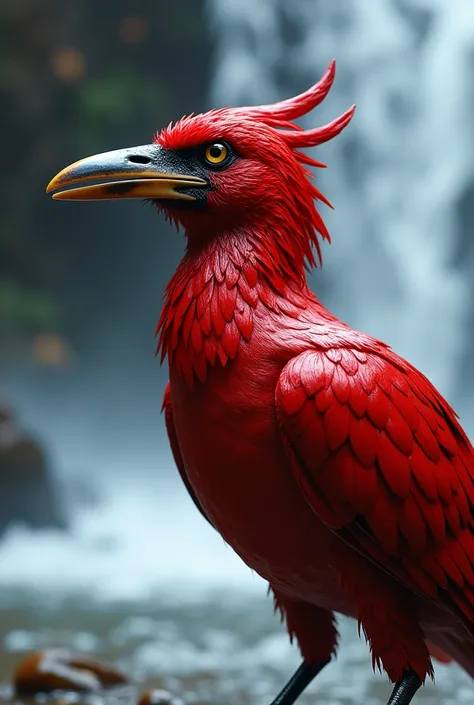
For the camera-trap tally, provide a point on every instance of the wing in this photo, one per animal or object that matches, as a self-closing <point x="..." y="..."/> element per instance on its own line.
<point x="173" y="439"/>
<point x="381" y="458"/>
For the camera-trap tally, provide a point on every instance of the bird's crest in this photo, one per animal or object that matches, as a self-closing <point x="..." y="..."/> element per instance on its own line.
<point x="282" y="114"/>
<point x="279" y="116"/>
<point x="278" y="119"/>
<point x="267" y="264"/>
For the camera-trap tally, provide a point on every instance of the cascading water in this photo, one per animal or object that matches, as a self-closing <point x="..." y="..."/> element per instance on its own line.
<point x="397" y="174"/>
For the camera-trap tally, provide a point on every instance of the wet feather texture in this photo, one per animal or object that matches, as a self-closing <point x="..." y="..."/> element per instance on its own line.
<point x="405" y="475"/>
<point x="331" y="465"/>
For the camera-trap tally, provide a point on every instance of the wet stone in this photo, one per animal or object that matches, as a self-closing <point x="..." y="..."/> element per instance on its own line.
<point x="29" y="490"/>
<point x="59" y="669"/>
<point x="159" y="697"/>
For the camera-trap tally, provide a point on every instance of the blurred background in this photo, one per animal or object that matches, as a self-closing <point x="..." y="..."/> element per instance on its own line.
<point x="100" y="547"/>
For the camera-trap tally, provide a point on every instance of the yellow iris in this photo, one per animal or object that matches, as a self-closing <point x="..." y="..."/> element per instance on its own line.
<point x="216" y="153"/>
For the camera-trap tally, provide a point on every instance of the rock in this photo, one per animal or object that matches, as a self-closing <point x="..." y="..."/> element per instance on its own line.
<point x="59" y="669"/>
<point x="27" y="488"/>
<point x="159" y="697"/>
<point x="6" y="412"/>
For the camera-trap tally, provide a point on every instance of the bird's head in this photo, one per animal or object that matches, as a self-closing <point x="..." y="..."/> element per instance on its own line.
<point x="221" y="171"/>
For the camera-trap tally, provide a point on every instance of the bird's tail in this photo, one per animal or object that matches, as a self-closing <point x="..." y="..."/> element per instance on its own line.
<point x="451" y="646"/>
<point x="438" y="654"/>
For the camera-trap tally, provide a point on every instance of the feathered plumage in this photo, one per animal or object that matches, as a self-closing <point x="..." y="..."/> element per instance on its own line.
<point x="330" y="464"/>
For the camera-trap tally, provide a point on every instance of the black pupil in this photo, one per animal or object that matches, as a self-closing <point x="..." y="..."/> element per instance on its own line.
<point x="216" y="151"/>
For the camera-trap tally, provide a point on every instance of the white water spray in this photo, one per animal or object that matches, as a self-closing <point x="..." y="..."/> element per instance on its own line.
<point x="397" y="173"/>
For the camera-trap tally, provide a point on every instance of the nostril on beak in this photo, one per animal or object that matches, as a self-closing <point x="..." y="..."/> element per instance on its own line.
<point x="139" y="159"/>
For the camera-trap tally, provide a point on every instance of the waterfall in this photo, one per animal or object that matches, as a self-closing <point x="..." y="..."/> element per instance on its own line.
<point x="397" y="174"/>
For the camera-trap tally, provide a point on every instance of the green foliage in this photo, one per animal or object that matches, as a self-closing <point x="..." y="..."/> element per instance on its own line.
<point x="26" y="309"/>
<point x="111" y="101"/>
<point x="53" y="112"/>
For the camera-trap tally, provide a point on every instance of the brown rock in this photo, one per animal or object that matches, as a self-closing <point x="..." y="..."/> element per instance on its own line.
<point x="28" y="491"/>
<point x="59" y="669"/>
<point x="159" y="697"/>
<point x="6" y="412"/>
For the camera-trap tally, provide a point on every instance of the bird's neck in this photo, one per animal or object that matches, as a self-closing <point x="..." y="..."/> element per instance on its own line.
<point x="213" y="298"/>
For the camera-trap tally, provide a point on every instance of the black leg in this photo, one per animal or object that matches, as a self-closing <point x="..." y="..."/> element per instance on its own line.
<point x="300" y="679"/>
<point x="405" y="689"/>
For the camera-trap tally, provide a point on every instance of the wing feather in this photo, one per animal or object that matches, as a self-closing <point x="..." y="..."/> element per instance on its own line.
<point x="382" y="459"/>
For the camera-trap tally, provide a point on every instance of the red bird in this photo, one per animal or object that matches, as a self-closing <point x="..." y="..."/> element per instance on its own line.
<point x="331" y="465"/>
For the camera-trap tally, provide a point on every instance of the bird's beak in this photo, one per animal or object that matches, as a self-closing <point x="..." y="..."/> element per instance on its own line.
<point x="138" y="172"/>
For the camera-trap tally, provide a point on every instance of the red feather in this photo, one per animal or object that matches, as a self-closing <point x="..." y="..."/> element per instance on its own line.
<point x="394" y="466"/>
<point x="330" y="464"/>
<point x="358" y="489"/>
<point x="364" y="441"/>
<point x="244" y="321"/>
<point x="417" y="501"/>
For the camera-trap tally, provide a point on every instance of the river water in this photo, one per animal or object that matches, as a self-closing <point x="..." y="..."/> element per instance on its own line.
<point x="143" y="582"/>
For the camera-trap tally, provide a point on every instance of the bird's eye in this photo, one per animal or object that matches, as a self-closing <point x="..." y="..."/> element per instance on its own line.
<point x="216" y="153"/>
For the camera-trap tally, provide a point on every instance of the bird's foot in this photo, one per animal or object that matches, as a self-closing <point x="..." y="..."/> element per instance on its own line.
<point x="300" y="679"/>
<point x="405" y="689"/>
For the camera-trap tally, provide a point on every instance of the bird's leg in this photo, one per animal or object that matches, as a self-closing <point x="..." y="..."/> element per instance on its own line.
<point x="316" y="634"/>
<point x="405" y="689"/>
<point x="300" y="679"/>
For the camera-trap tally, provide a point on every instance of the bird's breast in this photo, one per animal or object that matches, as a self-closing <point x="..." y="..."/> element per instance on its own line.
<point x="229" y="440"/>
<point x="232" y="450"/>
